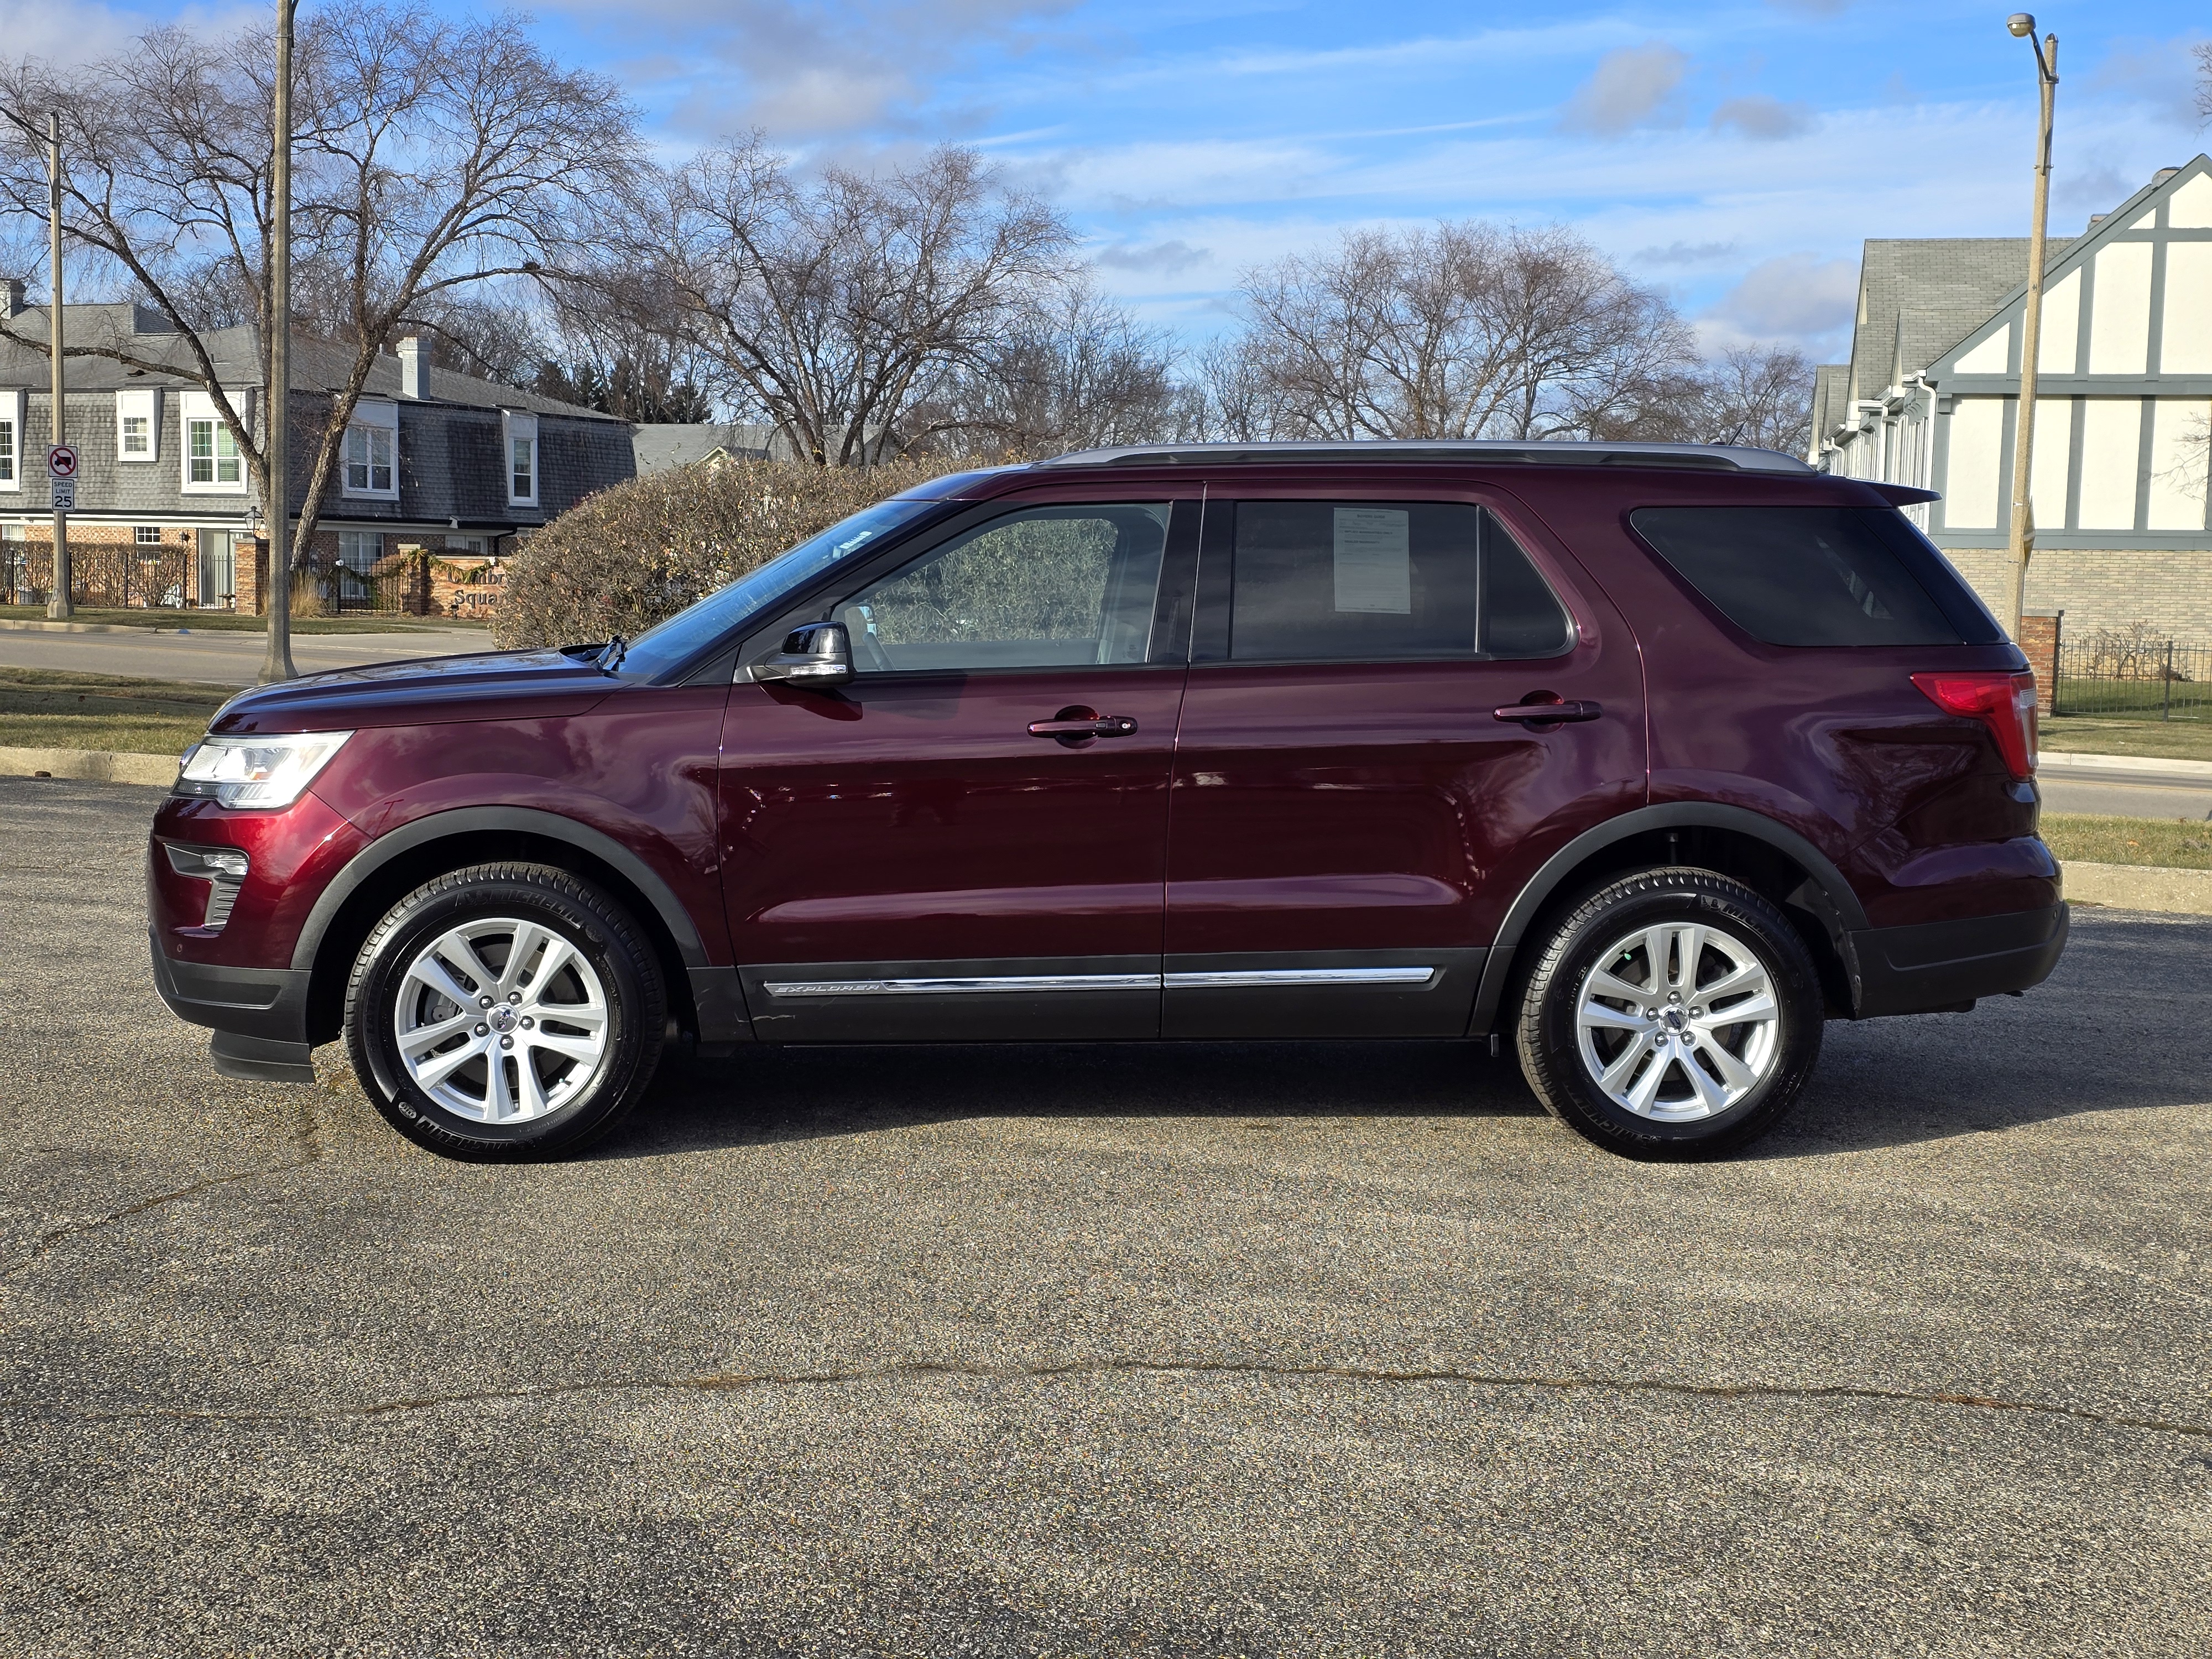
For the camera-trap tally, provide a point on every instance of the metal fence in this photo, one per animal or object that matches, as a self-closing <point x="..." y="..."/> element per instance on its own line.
<point x="2129" y="674"/>
<point x="106" y="576"/>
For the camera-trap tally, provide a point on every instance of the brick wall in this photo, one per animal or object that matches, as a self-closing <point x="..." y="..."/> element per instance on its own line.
<point x="2169" y="590"/>
<point x="109" y="567"/>
<point x="2038" y="642"/>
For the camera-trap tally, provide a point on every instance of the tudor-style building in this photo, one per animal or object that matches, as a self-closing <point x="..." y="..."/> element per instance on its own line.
<point x="439" y="474"/>
<point x="2124" y="407"/>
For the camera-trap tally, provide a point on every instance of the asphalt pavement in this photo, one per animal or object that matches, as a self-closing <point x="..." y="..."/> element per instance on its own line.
<point x="220" y="659"/>
<point x="1198" y="1350"/>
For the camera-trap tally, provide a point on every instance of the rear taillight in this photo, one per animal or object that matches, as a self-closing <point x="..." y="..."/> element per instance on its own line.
<point x="2003" y="702"/>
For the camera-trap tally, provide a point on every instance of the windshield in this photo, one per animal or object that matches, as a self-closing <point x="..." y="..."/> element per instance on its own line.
<point x="668" y="645"/>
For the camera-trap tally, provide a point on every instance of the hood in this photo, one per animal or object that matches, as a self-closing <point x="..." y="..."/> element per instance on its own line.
<point x="420" y="691"/>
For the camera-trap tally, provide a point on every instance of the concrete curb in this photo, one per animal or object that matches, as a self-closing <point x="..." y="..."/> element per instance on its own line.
<point x="24" y="625"/>
<point x="92" y="765"/>
<point x="2142" y="887"/>
<point x="2061" y="760"/>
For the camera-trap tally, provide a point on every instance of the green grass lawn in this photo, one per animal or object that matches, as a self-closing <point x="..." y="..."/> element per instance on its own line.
<point x="2089" y="734"/>
<point x="2170" y="843"/>
<point x="231" y="621"/>
<point x="43" y="709"/>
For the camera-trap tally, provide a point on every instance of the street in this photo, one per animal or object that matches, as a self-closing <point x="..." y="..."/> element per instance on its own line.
<point x="1201" y="1350"/>
<point x="220" y="659"/>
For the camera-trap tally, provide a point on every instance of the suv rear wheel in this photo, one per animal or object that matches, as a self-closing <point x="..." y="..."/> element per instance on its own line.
<point x="1674" y="1013"/>
<point x="505" y="1012"/>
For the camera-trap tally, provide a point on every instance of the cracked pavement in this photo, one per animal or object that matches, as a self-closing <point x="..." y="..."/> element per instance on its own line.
<point x="1201" y="1350"/>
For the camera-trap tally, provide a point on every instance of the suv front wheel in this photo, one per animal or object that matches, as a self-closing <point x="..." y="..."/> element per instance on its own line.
<point x="505" y="1012"/>
<point x="1674" y="1013"/>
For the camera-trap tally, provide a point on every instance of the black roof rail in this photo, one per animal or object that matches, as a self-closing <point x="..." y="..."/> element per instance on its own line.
<point x="1712" y="457"/>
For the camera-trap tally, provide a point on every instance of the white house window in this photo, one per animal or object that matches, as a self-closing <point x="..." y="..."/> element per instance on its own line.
<point x="360" y="549"/>
<point x="145" y="535"/>
<point x="521" y="433"/>
<point x="368" y="461"/>
<point x="372" y="449"/>
<point x="212" y="463"/>
<point x="138" y="423"/>
<point x="11" y="430"/>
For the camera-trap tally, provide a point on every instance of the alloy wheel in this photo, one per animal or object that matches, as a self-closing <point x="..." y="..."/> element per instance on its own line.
<point x="502" y="1020"/>
<point x="1678" y="1021"/>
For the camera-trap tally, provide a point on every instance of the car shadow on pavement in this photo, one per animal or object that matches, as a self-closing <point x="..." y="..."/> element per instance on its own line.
<point x="2130" y="984"/>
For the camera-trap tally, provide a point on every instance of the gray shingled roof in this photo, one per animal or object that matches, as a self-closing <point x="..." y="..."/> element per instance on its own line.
<point x="1831" y="381"/>
<point x="661" y="446"/>
<point x="236" y="353"/>
<point x="1918" y="298"/>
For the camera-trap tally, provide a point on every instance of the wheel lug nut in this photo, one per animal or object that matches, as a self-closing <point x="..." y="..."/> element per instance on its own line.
<point x="506" y="1042"/>
<point x="482" y="1028"/>
<point x="484" y="1002"/>
<point x="528" y="1023"/>
<point x="515" y="996"/>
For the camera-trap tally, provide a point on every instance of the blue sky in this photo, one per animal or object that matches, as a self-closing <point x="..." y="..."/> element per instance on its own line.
<point x="1736" y="155"/>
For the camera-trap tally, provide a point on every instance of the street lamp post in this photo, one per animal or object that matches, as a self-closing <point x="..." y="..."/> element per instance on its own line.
<point x="2022" y="26"/>
<point x="276" y="664"/>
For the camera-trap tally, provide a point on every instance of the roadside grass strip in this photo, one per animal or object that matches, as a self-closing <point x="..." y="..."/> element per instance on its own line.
<point x="49" y="708"/>
<point x="2166" y="843"/>
<point x="234" y="622"/>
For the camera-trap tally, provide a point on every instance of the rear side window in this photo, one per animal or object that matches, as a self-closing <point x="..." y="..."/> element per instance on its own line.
<point x="1818" y="575"/>
<point x="1384" y="581"/>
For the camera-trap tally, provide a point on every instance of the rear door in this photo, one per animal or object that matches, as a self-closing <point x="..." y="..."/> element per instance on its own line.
<point x="1358" y="796"/>
<point x="969" y="839"/>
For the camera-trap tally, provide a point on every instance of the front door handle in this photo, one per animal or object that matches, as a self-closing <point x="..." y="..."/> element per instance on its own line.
<point x="1074" y="726"/>
<point x="1546" y="714"/>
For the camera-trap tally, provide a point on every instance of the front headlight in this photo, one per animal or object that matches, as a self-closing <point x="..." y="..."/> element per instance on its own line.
<point x="256" y="771"/>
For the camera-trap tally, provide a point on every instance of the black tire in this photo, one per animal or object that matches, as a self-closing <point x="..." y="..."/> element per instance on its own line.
<point x="1550" y="1040"/>
<point x="602" y="935"/>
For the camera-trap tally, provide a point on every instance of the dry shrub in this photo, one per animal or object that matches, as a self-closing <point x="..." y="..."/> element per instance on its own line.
<point x="639" y="552"/>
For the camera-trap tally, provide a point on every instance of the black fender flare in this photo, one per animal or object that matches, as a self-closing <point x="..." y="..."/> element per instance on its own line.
<point x="1537" y="891"/>
<point x="498" y="820"/>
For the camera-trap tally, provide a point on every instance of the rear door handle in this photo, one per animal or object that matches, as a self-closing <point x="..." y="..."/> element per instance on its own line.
<point x="1071" y="726"/>
<point x="1541" y="713"/>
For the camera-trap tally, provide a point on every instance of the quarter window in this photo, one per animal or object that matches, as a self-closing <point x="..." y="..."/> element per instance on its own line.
<point x="1050" y="587"/>
<point x="1385" y="581"/>
<point x="368" y="461"/>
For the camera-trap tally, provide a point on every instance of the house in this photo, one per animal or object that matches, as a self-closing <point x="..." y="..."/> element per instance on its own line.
<point x="664" y="446"/>
<point x="439" y="475"/>
<point x="2124" y="407"/>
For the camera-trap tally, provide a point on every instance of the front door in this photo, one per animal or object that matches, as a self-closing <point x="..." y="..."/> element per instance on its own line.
<point x="1357" y="796"/>
<point x="969" y="840"/>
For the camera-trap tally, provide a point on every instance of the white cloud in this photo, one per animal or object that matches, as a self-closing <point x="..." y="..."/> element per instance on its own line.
<point x="1169" y="258"/>
<point x="1799" y="298"/>
<point x="1629" y="87"/>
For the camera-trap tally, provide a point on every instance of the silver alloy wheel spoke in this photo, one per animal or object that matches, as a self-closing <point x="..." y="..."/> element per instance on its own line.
<point x="1648" y="1031"/>
<point x="487" y="1055"/>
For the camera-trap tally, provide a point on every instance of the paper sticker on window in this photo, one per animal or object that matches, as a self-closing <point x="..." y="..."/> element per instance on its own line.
<point x="1374" y="563"/>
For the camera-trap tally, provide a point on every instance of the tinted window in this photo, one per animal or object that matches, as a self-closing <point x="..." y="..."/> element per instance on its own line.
<point x="1365" y="581"/>
<point x="1054" y="586"/>
<point x="1815" y="575"/>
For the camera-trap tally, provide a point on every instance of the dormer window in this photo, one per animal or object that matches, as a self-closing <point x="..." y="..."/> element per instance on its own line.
<point x="138" y="424"/>
<point x="522" y="437"/>
<point x="371" y="451"/>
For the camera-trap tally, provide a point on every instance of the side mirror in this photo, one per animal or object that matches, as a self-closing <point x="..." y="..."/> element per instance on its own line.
<point x="818" y="654"/>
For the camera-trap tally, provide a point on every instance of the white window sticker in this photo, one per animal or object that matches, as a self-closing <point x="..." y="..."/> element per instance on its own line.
<point x="1374" y="560"/>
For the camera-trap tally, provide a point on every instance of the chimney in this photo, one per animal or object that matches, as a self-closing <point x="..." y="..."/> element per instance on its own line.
<point x="11" y="296"/>
<point x="414" y="368"/>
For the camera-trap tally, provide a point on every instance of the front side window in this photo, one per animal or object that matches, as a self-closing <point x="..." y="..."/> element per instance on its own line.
<point x="1817" y="575"/>
<point x="522" y="469"/>
<point x="1048" y="587"/>
<point x="1385" y="581"/>
<point x="368" y="461"/>
<point x="211" y="453"/>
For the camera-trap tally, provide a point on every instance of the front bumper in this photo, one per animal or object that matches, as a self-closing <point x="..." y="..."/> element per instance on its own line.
<point x="259" y="1015"/>
<point x="1941" y="965"/>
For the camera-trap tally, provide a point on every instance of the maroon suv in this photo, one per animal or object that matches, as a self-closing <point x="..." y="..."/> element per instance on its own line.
<point x="1652" y="757"/>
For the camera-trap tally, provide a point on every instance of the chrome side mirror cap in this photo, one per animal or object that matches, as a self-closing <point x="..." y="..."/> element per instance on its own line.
<point x="818" y="654"/>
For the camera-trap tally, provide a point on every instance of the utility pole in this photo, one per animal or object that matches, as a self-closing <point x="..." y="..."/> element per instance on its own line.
<point x="58" y="606"/>
<point x="276" y="509"/>
<point x="2022" y="26"/>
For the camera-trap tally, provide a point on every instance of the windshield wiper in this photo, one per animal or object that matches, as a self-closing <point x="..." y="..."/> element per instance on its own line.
<point x="611" y="654"/>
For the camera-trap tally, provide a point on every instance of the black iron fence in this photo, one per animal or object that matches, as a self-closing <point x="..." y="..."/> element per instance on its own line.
<point x="2131" y="674"/>
<point x="105" y="575"/>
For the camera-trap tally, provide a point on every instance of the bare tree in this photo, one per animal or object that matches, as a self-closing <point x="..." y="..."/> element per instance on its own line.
<point x="1761" y="397"/>
<point x="2202" y="53"/>
<point x="428" y="156"/>
<point x="1074" y="371"/>
<point x="834" y="305"/>
<point x="1460" y="331"/>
